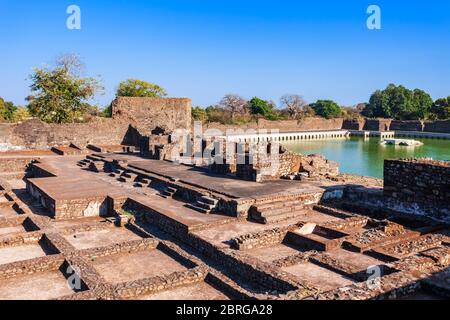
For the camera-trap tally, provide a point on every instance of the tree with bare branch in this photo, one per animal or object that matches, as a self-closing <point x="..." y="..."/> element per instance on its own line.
<point x="234" y="103"/>
<point x="293" y="104"/>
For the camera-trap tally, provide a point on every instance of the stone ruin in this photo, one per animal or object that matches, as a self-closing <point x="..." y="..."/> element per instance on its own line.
<point x="174" y="231"/>
<point x="267" y="161"/>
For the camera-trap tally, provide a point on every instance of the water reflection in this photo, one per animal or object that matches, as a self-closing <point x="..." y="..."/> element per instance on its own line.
<point x="365" y="156"/>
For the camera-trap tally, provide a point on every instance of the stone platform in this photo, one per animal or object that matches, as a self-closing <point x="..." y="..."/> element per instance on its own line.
<point x="126" y="226"/>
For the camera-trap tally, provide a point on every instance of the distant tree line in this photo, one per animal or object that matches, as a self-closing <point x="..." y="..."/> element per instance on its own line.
<point x="12" y="113"/>
<point x="60" y="94"/>
<point x="395" y="102"/>
<point x="398" y="102"/>
<point x="234" y="109"/>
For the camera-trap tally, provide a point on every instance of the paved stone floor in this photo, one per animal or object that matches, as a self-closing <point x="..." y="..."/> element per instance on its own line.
<point x="20" y="253"/>
<point x="135" y="266"/>
<point x="149" y="244"/>
<point x="100" y="238"/>
<point x="39" y="286"/>
<point x="227" y="185"/>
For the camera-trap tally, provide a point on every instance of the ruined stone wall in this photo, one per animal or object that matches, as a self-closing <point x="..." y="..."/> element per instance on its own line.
<point x="150" y="113"/>
<point x="437" y="126"/>
<point x="34" y="134"/>
<point x="354" y="124"/>
<point x="420" y="181"/>
<point x="9" y="165"/>
<point x="132" y="117"/>
<point x="377" y="124"/>
<point x="308" y="124"/>
<point x="284" y="165"/>
<point x="442" y="126"/>
<point x="398" y="125"/>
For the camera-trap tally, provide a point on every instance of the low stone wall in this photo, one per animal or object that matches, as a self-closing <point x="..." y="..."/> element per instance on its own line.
<point x="8" y="165"/>
<point x="398" y="125"/>
<point x="437" y="126"/>
<point x="440" y="126"/>
<point x="262" y="239"/>
<point x="132" y="117"/>
<point x="377" y="124"/>
<point x="353" y="124"/>
<point x="32" y="266"/>
<point x="34" y="134"/>
<point x="307" y="124"/>
<point x="423" y="181"/>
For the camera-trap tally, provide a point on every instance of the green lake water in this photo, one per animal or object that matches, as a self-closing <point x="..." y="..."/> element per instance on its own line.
<point x="365" y="157"/>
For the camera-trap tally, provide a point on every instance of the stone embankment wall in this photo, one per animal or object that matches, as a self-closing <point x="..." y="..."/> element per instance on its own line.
<point x="321" y="124"/>
<point x="34" y="134"/>
<point x="422" y="181"/>
<point x="132" y="117"/>
<point x="308" y="124"/>
<point x="441" y="126"/>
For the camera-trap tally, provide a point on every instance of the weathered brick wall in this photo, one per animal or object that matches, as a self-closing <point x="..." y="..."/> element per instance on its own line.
<point x="266" y="167"/>
<point x="14" y="164"/>
<point x="150" y="113"/>
<point x="422" y="181"/>
<point x="354" y="124"/>
<point x="398" y="125"/>
<point x="377" y="124"/>
<point x="132" y="117"/>
<point x="437" y="126"/>
<point x="308" y="124"/>
<point x="34" y="134"/>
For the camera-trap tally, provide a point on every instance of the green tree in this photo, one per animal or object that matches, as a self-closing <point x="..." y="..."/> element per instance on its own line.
<point x="261" y="107"/>
<point x="59" y="94"/>
<point x="441" y="109"/>
<point x="106" y="112"/>
<point x="199" y="114"/>
<point x="326" y="108"/>
<point x="139" y="88"/>
<point x="20" y="114"/>
<point x="7" y="110"/>
<point x="400" y="103"/>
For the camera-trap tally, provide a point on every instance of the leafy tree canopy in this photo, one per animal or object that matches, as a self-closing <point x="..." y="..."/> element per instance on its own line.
<point x="59" y="94"/>
<point x="441" y="109"/>
<point x="326" y="108"/>
<point x="261" y="107"/>
<point x="139" y="88"/>
<point x="7" y="110"/>
<point x="399" y="103"/>
<point x="199" y="114"/>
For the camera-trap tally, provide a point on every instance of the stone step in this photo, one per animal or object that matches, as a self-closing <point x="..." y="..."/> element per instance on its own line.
<point x="171" y="190"/>
<point x="167" y="194"/>
<point x="126" y="175"/>
<point x="209" y="200"/>
<point x="84" y="162"/>
<point x="145" y="181"/>
<point x="205" y="205"/>
<point x="95" y="167"/>
<point x="196" y="208"/>
<point x="94" y="157"/>
<point x="276" y="218"/>
<point x="277" y="204"/>
<point x="334" y="212"/>
<point x="277" y="211"/>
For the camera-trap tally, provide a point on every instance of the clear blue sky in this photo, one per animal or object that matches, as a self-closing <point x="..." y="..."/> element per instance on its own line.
<point x="203" y="49"/>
